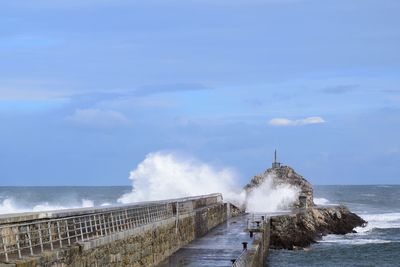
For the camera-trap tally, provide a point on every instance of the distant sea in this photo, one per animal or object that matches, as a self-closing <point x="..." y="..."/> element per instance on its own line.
<point x="376" y="245"/>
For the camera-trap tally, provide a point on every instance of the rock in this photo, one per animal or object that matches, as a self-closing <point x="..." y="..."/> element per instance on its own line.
<point x="308" y="223"/>
<point x="301" y="230"/>
<point x="284" y="175"/>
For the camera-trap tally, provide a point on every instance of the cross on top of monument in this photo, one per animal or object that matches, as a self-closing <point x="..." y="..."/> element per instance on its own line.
<point x="276" y="164"/>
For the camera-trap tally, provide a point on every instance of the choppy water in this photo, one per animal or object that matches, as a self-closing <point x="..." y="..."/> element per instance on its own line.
<point x="23" y="199"/>
<point x="376" y="245"/>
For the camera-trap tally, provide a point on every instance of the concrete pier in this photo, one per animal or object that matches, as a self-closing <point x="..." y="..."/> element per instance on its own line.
<point x="141" y="234"/>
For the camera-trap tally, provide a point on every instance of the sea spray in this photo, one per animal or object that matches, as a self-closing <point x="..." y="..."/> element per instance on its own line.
<point x="269" y="197"/>
<point x="167" y="175"/>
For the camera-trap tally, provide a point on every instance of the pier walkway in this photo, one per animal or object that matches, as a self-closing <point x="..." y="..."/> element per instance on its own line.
<point x="223" y="246"/>
<point x="217" y="248"/>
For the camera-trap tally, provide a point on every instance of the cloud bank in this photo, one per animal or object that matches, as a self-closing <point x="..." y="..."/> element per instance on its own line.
<point x="299" y="122"/>
<point x="98" y="118"/>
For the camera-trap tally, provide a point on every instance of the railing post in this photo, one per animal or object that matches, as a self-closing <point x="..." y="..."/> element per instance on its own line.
<point x="90" y="224"/>
<point x="76" y="233"/>
<point x="95" y="225"/>
<point x="40" y="238"/>
<point x="86" y="228"/>
<point x="81" y="228"/>
<point x="177" y="218"/>
<point x="104" y="223"/>
<point x="59" y="233"/>
<point x="127" y="221"/>
<point x="117" y="222"/>
<point x="18" y="246"/>
<point x="67" y="230"/>
<point x="112" y="222"/>
<point x="100" y="225"/>
<point x="3" y="239"/>
<point x="50" y="236"/>
<point x="30" y="240"/>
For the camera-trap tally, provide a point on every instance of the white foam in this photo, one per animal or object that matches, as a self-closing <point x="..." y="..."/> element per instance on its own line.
<point x="9" y="205"/>
<point x="321" y="201"/>
<point x="351" y="240"/>
<point x="368" y="195"/>
<point x="382" y="221"/>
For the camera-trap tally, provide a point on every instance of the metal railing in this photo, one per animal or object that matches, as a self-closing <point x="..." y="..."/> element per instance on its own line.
<point x="242" y="260"/>
<point x="34" y="237"/>
<point x="256" y="221"/>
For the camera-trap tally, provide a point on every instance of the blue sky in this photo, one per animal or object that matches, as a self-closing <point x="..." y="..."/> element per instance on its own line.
<point x="89" y="88"/>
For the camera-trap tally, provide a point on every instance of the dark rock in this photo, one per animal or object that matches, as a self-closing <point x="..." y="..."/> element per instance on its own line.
<point x="305" y="228"/>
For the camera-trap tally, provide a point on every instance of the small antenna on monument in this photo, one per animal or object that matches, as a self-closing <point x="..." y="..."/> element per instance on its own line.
<point x="276" y="164"/>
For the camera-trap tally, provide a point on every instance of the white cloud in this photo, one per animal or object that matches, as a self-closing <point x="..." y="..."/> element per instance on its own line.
<point x="288" y="122"/>
<point x="98" y="118"/>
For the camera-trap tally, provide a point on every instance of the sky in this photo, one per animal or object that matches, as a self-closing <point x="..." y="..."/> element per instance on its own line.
<point x="89" y="88"/>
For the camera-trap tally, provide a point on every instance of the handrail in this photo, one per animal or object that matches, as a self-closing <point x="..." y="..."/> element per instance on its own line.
<point x="242" y="260"/>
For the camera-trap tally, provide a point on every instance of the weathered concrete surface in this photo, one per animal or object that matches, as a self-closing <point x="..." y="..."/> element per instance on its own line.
<point x="144" y="246"/>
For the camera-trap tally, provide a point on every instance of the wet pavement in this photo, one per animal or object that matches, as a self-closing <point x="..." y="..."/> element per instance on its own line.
<point x="217" y="248"/>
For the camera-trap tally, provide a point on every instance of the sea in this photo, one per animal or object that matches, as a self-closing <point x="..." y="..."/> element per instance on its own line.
<point x="378" y="244"/>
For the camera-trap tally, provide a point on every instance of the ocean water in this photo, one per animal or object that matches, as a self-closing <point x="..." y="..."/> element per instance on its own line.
<point x="376" y="245"/>
<point x="25" y="199"/>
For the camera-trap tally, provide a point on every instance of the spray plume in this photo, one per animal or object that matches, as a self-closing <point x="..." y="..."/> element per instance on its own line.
<point x="269" y="197"/>
<point x="167" y="175"/>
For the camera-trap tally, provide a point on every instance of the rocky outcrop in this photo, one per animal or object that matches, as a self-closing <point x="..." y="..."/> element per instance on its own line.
<point x="302" y="229"/>
<point x="307" y="223"/>
<point x="284" y="175"/>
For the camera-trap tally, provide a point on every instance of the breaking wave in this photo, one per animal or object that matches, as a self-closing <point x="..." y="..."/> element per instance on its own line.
<point x="321" y="201"/>
<point x="168" y="175"/>
<point x="380" y="221"/>
<point x="9" y="205"/>
<point x="270" y="198"/>
<point x="352" y="241"/>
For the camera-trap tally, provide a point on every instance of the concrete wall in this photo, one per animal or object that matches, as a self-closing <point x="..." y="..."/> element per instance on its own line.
<point x="258" y="253"/>
<point x="147" y="245"/>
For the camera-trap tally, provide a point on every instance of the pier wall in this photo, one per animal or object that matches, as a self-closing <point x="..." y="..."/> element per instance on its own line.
<point x="257" y="253"/>
<point x="261" y="246"/>
<point x="144" y="244"/>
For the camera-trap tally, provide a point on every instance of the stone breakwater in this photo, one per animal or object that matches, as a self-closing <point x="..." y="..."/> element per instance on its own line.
<point x="300" y="230"/>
